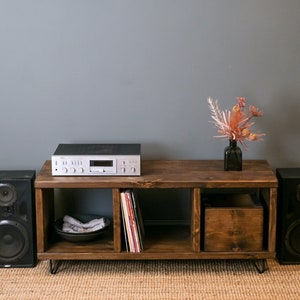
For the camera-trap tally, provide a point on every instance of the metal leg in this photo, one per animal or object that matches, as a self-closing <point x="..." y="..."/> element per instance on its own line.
<point x="53" y="267"/>
<point x="263" y="267"/>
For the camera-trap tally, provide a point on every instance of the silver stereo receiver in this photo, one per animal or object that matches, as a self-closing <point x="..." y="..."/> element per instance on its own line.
<point x="97" y="160"/>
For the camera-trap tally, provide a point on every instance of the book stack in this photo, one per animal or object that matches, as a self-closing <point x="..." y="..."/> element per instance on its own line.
<point x="132" y="222"/>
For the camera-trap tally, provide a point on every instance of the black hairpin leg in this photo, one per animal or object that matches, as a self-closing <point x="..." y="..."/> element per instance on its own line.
<point x="53" y="267"/>
<point x="260" y="265"/>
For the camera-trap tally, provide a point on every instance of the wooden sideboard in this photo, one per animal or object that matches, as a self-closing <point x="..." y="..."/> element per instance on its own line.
<point x="160" y="242"/>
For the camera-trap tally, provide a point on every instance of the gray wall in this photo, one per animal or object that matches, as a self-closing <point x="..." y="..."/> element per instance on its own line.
<point x="141" y="71"/>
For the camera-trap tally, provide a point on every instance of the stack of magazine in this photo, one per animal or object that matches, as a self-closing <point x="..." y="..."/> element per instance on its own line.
<point x="132" y="221"/>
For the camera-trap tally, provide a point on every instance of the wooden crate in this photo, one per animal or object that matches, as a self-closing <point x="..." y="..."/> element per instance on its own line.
<point x="233" y="223"/>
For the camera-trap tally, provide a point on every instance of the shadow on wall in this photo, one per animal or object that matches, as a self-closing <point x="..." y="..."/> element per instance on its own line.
<point x="282" y="128"/>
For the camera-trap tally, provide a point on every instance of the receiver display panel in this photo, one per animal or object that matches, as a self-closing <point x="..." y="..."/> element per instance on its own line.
<point x="101" y="163"/>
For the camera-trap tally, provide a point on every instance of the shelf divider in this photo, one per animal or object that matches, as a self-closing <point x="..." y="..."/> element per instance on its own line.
<point x="117" y="220"/>
<point x="195" y="219"/>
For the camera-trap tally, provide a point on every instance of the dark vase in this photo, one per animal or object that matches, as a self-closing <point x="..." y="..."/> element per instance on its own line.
<point x="233" y="157"/>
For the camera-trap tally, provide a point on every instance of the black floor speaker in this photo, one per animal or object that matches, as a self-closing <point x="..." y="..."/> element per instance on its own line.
<point x="288" y="216"/>
<point x="17" y="219"/>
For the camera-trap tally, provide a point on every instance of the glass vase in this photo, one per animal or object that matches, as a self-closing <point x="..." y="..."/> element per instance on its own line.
<point x="233" y="157"/>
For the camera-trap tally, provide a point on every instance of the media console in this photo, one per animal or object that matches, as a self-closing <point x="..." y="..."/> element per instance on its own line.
<point x="199" y="177"/>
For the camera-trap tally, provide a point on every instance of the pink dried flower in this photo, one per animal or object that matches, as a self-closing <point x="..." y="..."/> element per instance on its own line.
<point x="255" y="112"/>
<point x="241" y="101"/>
<point x="235" y="124"/>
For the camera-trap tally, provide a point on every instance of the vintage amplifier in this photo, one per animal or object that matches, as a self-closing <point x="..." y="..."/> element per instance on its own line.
<point x="97" y="160"/>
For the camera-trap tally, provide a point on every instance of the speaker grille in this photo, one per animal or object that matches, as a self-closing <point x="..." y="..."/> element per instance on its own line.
<point x="288" y="216"/>
<point x="292" y="240"/>
<point x="8" y="194"/>
<point x="17" y="219"/>
<point x="14" y="240"/>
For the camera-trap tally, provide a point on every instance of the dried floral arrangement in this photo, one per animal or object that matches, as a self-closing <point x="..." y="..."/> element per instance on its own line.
<point x="235" y="124"/>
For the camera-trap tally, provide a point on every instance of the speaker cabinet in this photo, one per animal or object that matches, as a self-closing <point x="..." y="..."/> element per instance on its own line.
<point x="17" y="219"/>
<point x="288" y="216"/>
